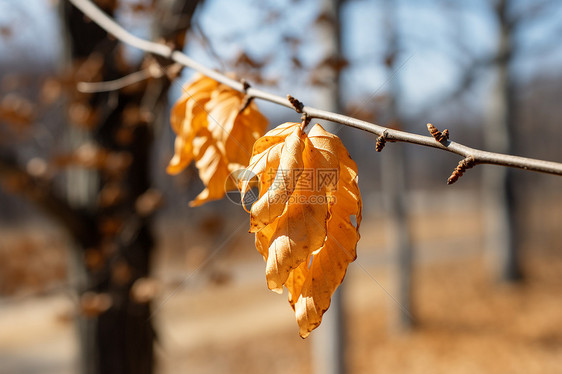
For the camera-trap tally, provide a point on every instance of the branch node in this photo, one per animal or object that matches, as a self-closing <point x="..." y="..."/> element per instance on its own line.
<point x="247" y="98"/>
<point x="463" y="165"/>
<point x="441" y="137"/>
<point x="245" y="85"/>
<point x="172" y="50"/>
<point x="173" y="71"/>
<point x="295" y="103"/>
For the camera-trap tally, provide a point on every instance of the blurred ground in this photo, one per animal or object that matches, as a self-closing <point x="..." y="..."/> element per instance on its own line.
<point x="216" y="316"/>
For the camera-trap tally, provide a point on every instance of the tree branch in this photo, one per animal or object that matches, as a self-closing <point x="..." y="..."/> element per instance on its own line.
<point x="78" y="224"/>
<point x="479" y="156"/>
<point x="117" y="84"/>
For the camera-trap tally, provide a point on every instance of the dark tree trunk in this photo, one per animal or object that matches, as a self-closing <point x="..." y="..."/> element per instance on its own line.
<point x="119" y="337"/>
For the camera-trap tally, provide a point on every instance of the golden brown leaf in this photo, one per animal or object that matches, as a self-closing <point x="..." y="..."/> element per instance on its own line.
<point x="187" y="117"/>
<point x="266" y="155"/>
<point x="303" y="218"/>
<point x="213" y="132"/>
<point x="272" y="203"/>
<point x="212" y="166"/>
<point x="311" y="287"/>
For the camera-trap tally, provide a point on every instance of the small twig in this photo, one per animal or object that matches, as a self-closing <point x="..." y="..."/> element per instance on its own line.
<point x="114" y="85"/>
<point x="463" y="165"/>
<point x="480" y="157"/>
<point x="173" y="71"/>
<point x="208" y="45"/>
<point x="153" y="71"/>
<point x="247" y="98"/>
<point x="305" y="121"/>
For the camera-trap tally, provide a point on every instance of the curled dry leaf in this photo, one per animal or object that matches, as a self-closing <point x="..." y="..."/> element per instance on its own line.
<point x="213" y="132"/>
<point x="307" y="217"/>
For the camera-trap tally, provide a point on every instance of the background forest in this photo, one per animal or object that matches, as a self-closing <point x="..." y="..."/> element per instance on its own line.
<point x="104" y="268"/>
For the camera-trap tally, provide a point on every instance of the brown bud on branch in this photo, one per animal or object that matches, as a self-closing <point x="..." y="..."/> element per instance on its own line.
<point x="295" y="103"/>
<point x="463" y="165"/>
<point x="441" y="137"/>
<point x="381" y="141"/>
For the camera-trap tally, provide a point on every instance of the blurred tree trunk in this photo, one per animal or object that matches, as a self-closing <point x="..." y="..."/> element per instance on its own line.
<point x="501" y="236"/>
<point x="328" y="341"/>
<point x="394" y="187"/>
<point x="116" y="327"/>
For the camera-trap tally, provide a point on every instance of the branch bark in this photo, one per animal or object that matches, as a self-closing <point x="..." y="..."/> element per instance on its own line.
<point x="479" y="156"/>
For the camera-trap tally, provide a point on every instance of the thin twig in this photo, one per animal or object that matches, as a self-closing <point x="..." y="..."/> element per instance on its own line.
<point x="114" y="85"/>
<point x="479" y="156"/>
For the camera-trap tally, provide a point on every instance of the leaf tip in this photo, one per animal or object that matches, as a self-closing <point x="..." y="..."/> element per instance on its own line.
<point x="277" y="290"/>
<point x="275" y="286"/>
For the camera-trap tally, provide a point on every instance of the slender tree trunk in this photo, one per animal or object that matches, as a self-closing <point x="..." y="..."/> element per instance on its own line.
<point x="328" y="341"/>
<point x="395" y="190"/>
<point x="500" y="211"/>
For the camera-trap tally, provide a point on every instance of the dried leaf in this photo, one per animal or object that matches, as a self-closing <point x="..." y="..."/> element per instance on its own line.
<point x="303" y="218"/>
<point x="272" y="203"/>
<point x="187" y="117"/>
<point x="213" y="168"/>
<point x="213" y="132"/>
